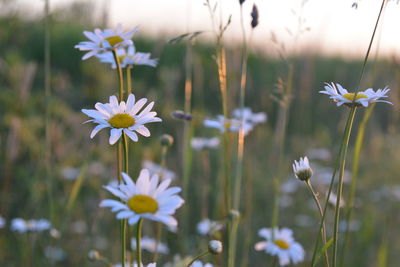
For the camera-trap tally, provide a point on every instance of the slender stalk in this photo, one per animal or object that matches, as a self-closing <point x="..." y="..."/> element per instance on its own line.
<point x="138" y="238"/>
<point x="198" y="257"/>
<point x="356" y="161"/>
<point x="340" y="185"/>
<point x="124" y="221"/>
<point x="323" y="230"/>
<point x="128" y="80"/>
<point x="330" y="190"/>
<point x="120" y="76"/>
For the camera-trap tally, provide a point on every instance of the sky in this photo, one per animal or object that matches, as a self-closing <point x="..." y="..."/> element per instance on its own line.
<point x="334" y="26"/>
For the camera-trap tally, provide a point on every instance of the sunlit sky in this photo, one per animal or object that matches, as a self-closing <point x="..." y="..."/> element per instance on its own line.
<point x="335" y="27"/>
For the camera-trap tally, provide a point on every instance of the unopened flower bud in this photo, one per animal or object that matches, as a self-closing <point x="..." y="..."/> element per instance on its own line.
<point x="94" y="255"/>
<point x="215" y="247"/>
<point x="166" y="140"/>
<point x="254" y="16"/>
<point x="241" y="2"/>
<point x="302" y="169"/>
<point x="180" y="115"/>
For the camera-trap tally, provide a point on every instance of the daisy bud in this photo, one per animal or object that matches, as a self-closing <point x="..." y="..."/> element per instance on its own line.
<point x="215" y="247"/>
<point x="241" y="1"/>
<point x="94" y="255"/>
<point x="166" y="140"/>
<point x="302" y="169"/>
<point x="254" y="16"/>
<point x="180" y="115"/>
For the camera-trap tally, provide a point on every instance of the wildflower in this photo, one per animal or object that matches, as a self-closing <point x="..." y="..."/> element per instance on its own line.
<point x="208" y="227"/>
<point x="333" y="199"/>
<point x="200" y="264"/>
<point x="199" y="143"/>
<point x="154" y="168"/>
<point x="363" y="98"/>
<point x="254" y="16"/>
<point x="94" y="255"/>
<point x="127" y="58"/>
<point x="145" y="199"/>
<point x="249" y="116"/>
<point x="215" y="247"/>
<point x="302" y="169"/>
<point x="283" y="245"/>
<point x="151" y="245"/>
<point x="134" y="264"/>
<point x="2" y="222"/>
<point x="166" y="140"/>
<point x="22" y="226"/>
<point x="180" y="115"/>
<point x="231" y="125"/>
<point x="102" y="41"/>
<point x="122" y="117"/>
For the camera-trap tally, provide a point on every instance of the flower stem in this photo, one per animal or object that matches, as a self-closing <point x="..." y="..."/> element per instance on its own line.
<point x="128" y="80"/>
<point x="120" y="76"/>
<point x="340" y="185"/>
<point x="197" y="257"/>
<point x="138" y="238"/>
<point x="323" y="230"/>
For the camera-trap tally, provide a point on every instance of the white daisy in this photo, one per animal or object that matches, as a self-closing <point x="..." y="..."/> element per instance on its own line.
<point x="134" y="264"/>
<point x="22" y="226"/>
<point x="122" y="117"/>
<point x="208" y="227"/>
<point x="282" y="245"/>
<point x="151" y="245"/>
<point x="231" y="125"/>
<point x="302" y="169"/>
<point x="341" y="96"/>
<point x="199" y="143"/>
<point x="154" y="168"/>
<point x="2" y="222"/>
<point x="128" y="57"/>
<point x="249" y="116"/>
<point x="145" y="199"/>
<point x="101" y="41"/>
<point x="200" y="264"/>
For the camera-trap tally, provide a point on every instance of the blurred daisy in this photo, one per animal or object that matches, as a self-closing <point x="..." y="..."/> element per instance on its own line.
<point x="101" y="41"/>
<point x="122" y="118"/>
<point x="208" y="227"/>
<point x="333" y="199"/>
<point x="302" y="169"/>
<point x="283" y="245"/>
<point x="22" y="226"/>
<point x="134" y="264"/>
<point x="70" y="173"/>
<point x="249" y="116"/>
<point x="128" y="57"/>
<point x="145" y="199"/>
<point x="151" y="245"/>
<point x="341" y="96"/>
<point x="2" y="222"/>
<point x="154" y="168"/>
<point x="200" y="264"/>
<point x="199" y="143"/>
<point x="230" y="125"/>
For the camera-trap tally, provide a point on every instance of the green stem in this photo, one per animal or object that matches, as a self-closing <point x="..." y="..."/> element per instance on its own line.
<point x="329" y="192"/>
<point x="138" y="238"/>
<point x="128" y="80"/>
<point x="124" y="221"/>
<point x="197" y="257"/>
<point x="323" y="230"/>
<point x="340" y="185"/>
<point x="353" y="186"/>
<point x="120" y="76"/>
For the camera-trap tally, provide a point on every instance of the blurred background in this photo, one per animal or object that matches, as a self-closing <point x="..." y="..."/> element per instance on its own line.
<point x="322" y="41"/>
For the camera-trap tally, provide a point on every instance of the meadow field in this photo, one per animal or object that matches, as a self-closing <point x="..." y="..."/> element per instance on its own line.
<point x="230" y="121"/>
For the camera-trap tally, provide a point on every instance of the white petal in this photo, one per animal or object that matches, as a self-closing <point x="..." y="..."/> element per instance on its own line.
<point x="115" y="135"/>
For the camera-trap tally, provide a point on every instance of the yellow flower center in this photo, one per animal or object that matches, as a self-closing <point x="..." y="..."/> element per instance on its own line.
<point x="113" y="40"/>
<point x="122" y="120"/>
<point x="350" y="96"/>
<point x="281" y="243"/>
<point x="143" y="204"/>
<point x="227" y="124"/>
